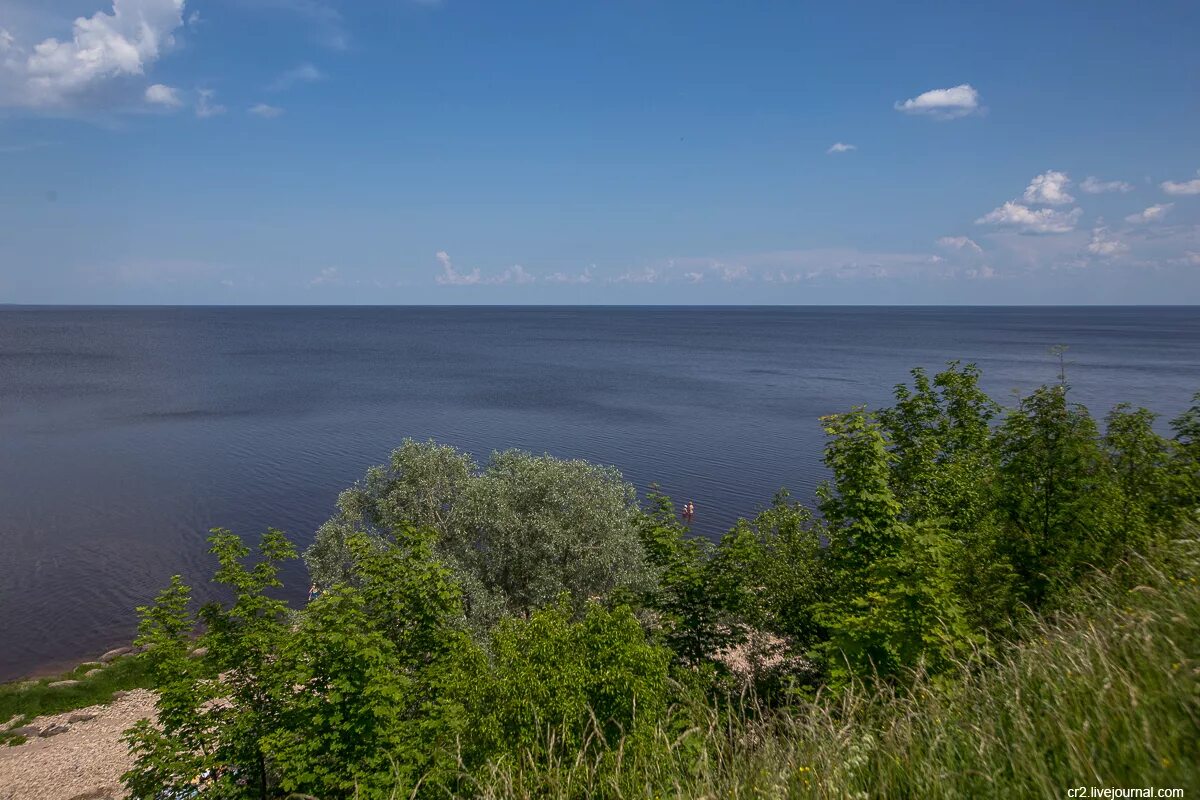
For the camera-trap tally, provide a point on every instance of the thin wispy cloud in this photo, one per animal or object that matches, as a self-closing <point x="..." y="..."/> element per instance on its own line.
<point x="302" y="73"/>
<point x="1106" y="245"/>
<point x="6" y="149"/>
<point x="959" y="243"/>
<point x="583" y="277"/>
<point x="1154" y="213"/>
<point x="840" y="147"/>
<point x="952" y="103"/>
<point x="326" y="277"/>
<point x="326" y="22"/>
<point x="1093" y="185"/>
<point x="643" y="275"/>
<point x="206" y="105"/>
<point x="265" y="111"/>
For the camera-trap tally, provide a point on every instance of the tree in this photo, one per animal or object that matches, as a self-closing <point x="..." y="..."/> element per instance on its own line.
<point x="215" y="714"/>
<point x="517" y="534"/>
<point x="685" y="611"/>
<point x="1146" y="481"/>
<point x="1057" y="495"/>
<point x="894" y="604"/>
<point x="943" y="471"/>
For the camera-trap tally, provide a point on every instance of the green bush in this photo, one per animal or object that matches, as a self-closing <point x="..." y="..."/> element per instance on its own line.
<point x="517" y="534"/>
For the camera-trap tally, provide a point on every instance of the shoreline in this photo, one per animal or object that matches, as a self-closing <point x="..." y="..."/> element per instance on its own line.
<point x="66" y="666"/>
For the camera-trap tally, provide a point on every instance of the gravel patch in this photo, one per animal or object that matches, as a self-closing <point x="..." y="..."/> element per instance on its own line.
<point x="86" y="761"/>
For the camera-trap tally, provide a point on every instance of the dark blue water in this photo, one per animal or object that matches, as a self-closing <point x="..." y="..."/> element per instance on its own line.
<point x="125" y="434"/>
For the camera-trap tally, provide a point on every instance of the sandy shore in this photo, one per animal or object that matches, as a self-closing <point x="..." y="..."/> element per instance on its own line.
<point x="84" y="762"/>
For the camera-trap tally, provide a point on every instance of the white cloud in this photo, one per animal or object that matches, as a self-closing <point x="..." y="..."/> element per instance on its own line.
<point x="957" y="101"/>
<point x="644" y="275"/>
<point x="1103" y="244"/>
<point x="265" y="111"/>
<point x="1151" y="214"/>
<point x="694" y="277"/>
<point x="103" y="48"/>
<point x="563" y="277"/>
<point x="959" y="243"/>
<point x="841" y="147"/>
<point x="1191" y="257"/>
<point x="1093" y="185"/>
<point x="326" y="21"/>
<point x="981" y="274"/>
<point x="514" y="274"/>
<point x="304" y="73"/>
<point x="737" y="272"/>
<point x="1049" y="189"/>
<point x="452" y="277"/>
<point x="205" y="107"/>
<point x="1182" y="187"/>
<point x="327" y="276"/>
<point x="163" y="95"/>
<point x="1042" y="220"/>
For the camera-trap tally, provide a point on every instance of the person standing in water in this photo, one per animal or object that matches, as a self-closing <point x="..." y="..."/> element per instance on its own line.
<point x="689" y="510"/>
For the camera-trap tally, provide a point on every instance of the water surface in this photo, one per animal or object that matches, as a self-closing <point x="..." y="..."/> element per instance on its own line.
<point x="126" y="433"/>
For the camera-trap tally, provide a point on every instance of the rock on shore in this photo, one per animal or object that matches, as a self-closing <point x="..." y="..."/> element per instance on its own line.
<point x="84" y="758"/>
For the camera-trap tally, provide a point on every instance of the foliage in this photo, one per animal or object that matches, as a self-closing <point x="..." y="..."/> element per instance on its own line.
<point x="583" y="684"/>
<point x="1104" y="696"/>
<point x="527" y="630"/>
<point x="214" y="711"/>
<point x="517" y="534"/>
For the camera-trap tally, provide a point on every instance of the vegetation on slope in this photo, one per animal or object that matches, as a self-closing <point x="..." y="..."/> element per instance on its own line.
<point x="989" y="601"/>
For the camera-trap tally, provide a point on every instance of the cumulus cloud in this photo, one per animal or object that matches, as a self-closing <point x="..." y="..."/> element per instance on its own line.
<point x="103" y="49"/>
<point x="451" y="276"/>
<point x="959" y="243"/>
<point x="1152" y="214"/>
<point x="1049" y="189"/>
<point x="1182" y="187"/>
<point x="1042" y="220"/>
<point x="1093" y="185"/>
<point x="957" y="101"/>
<point x="1105" y="245"/>
<point x="265" y="111"/>
<point x="206" y="106"/>
<point x="162" y="95"/>
<point x="841" y="147"/>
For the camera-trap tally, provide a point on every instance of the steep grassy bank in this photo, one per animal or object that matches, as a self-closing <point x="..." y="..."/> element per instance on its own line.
<point x="1107" y="695"/>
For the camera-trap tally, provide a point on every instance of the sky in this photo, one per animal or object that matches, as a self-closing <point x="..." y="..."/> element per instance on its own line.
<point x="598" y="152"/>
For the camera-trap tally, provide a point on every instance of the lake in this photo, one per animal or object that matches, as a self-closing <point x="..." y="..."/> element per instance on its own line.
<point x="126" y="433"/>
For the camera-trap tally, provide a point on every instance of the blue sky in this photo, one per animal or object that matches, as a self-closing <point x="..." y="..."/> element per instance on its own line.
<point x="624" y="151"/>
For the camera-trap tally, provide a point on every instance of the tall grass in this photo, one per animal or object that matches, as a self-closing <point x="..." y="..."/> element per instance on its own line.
<point x="1105" y="695"/>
